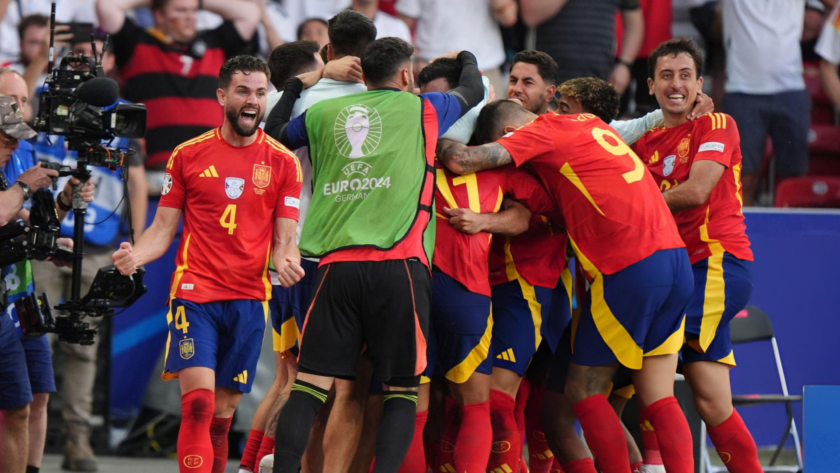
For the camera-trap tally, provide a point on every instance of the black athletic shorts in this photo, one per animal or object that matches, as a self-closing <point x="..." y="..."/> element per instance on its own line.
<point x="381" y="305"/>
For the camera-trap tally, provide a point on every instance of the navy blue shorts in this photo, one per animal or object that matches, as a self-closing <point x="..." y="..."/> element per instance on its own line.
<point x="460" y="331"/>
<point x="15" y="391"/>
<point x="225" y="336"/>
<point x="722" y="288"/>
<point x="39" y="364"/>
<point x="636" y="312"/>
<point x="288" y="308"/>
<point x="524" y="315"/>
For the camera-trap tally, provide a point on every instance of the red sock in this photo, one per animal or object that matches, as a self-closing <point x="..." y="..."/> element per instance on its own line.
<point x="539" y="455"/>
<point x="603" y="433"/>
<point x="584" y="465"/>
<point x="266" y="448"/>
<point x="635" y="467"/>
<point x="445" y="460"/>
<point x="649" y="443"/>
<point x="475" y="438"/>
<point x="506" y="450"/>
<point x="519" y="411"/>
<point x="219" y="429"/>
<point x="195" y="451"/>
<point x="735" y="445"/>
<point x="555" y="467"/>
<point x="252" y="446"/>
<point x="672" y="434"/>
<point x="415" y="459"/>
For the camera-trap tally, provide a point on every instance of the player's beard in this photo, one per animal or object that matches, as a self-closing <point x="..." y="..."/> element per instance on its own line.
<point x="233" y="115"/>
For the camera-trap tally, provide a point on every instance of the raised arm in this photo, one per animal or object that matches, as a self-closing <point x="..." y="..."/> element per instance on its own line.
<point x="112" y="12"/>
<point x="462" y="159"/>
<point x="151" y="245"/>
<point x="244" y="15"/>
<point x="470" y="90"/>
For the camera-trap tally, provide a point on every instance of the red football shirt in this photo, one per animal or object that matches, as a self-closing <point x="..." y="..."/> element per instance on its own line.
<point x="462" y="256"/>
<point x="230" y="197"/>
<point x="538" y="255"/>
<point x="670" y="153"/>
<point x="614" y="212"/>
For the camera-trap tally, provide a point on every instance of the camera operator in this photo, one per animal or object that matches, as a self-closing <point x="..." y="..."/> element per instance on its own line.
<point x="27" y="364"/>
<point x="101" y="235"/>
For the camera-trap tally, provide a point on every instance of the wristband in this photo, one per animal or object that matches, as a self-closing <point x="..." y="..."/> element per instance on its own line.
<point x="62" y="205"/>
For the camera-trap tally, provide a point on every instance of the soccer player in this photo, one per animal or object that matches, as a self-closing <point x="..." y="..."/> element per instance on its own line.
<point x="238" y="190"/>
<point x="633" y="257"/>
<point x="697" y="166"/>
<point x="372" y="156"/>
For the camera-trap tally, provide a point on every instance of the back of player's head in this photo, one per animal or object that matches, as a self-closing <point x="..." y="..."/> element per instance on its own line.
<point x="546" y="65"/>
<point x="291" y="59"/>
<point x="443" y="68"/>
<point x="495" y="116"/>
<point x="383" y="58"/>
<point x="350" y="32"/>
<point x="673" y="48"/>
<point x="244" y="64"/>
<point x="596" y="96"/>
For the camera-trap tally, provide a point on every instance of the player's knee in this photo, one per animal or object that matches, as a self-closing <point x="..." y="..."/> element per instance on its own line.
<point x="15" y="419"/>
<point x="38" y="408"/>
<point x="713" y="411"/>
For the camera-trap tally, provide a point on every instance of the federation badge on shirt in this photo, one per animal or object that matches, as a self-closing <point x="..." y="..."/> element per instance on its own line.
<point x="234" y="187"/>
<point x="262" y="175"/>
<point x="668" y="165"/>
<point x="683" y="148"/>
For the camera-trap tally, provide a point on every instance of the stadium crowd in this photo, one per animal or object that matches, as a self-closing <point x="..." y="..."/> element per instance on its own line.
<point x="562" y="155"/>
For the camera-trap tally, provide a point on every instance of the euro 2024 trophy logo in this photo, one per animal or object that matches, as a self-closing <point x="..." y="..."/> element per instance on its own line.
<point x="358" y="131"/>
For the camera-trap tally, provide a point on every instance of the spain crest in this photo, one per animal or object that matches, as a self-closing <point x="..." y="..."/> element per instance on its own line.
<point x="187" y="348"/>
<point x="262" y="175"/>
<point x="682" y="149"/>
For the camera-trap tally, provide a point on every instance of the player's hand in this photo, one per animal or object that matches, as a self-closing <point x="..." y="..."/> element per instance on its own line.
<point x="291" y="273"/>
<point x="620" y="77"/>
<point x="37" y="177"/>
<point x="449" y="55"/>
<point x="491" y="94"/>
<point x="348" y="68"/>
<point x="465" y="220"/>
<point x="124" y="259"/>
<point x="702" y="106"/>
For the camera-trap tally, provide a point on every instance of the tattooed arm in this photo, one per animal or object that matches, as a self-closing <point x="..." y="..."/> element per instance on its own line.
<point x="462" y="159"/>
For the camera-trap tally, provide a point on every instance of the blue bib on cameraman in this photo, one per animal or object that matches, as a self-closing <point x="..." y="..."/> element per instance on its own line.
<point x="18" y="276"/>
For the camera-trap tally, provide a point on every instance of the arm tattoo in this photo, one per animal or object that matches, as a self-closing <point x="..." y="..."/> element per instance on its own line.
<point x="464" y="160"/>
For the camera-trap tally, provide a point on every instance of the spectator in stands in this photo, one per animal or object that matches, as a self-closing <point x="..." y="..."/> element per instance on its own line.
<point x="82" y="11"/>
<point x="580" y="36"/>
<point x="828" y="48"/>
<point x="657" y="18"/>
<point x="386" y="25"/>
<point x="314" y="29"/>
<point x="706" y="18"/>
<point x="443" y="26"/>
<point x="765" y="91"/>
<point x="172" y="68"/>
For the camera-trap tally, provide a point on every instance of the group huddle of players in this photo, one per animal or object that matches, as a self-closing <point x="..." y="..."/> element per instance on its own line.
<point x="455" y="234"/>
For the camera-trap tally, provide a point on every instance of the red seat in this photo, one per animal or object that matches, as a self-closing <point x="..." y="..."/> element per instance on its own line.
<point x="824" y="140"/>
<point x="810" y="191"/>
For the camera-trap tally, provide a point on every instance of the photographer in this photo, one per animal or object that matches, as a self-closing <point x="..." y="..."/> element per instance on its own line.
<point x="27" y="363"/>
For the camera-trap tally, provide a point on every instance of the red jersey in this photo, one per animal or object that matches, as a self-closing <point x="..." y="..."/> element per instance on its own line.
<point x="463" y="256"/>
<point x="670" y="153"/>
<point x="614" y="212"/>
<point x="230" y="197"/>
<point x="538" y="255"/>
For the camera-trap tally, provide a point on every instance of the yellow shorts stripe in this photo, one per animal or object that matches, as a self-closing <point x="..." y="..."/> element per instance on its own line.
<point x="289" y="334"/>
<point x="614" y="334"/>
<point x="714" y="301"/>
<point x="530" y="295"/>
<point x="626" y="392"/>
<point x="673" y="344"/>
<point x="728" y="359"/>
<point x="463" y="370"/>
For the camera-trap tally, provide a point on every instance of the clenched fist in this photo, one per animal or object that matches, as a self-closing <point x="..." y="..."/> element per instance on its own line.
<point x="124" y="259"/>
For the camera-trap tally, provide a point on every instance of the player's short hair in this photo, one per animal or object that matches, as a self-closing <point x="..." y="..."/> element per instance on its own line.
<point x="443" y="68"/>
<point x="323" y="53"/>
<point x="29" y="21"/>
<point x="383" y="58"/>
<point x="291" y="59"/>
<point x="350" y="32"/>
<point x="597" y="96"/>
<point x="161" y="4"/>
<point x="245" y="64"/>
<point x="493" y="118"/>
<point x="673" y="48"/>
<point x="546" y="65"/>
<point x="307" y="21"/>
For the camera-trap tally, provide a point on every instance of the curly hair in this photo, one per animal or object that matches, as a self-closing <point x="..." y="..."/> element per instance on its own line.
<point x="244" y="64"/>
<point x="597" y="96"/>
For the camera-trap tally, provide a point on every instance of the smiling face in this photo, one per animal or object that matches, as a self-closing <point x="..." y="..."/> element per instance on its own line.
<point x="244" y="101"/>
<point x="675" y="84"/>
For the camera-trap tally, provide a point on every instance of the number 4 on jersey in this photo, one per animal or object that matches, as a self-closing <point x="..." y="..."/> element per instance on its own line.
<point x="228" y="219"/>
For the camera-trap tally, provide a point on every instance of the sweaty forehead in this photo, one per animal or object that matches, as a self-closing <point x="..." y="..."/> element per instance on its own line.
<point x="251" y="80"/>
<point x="675" y="63"/>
